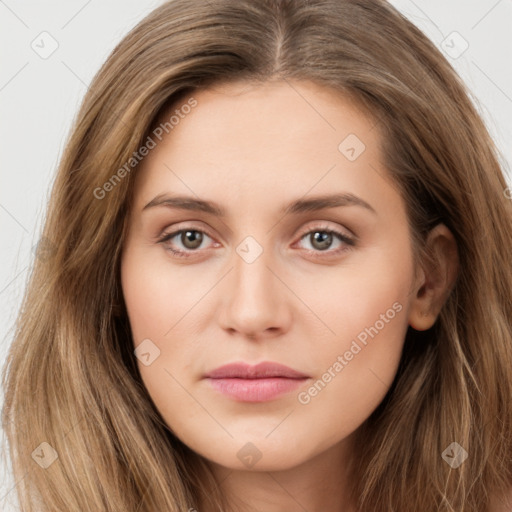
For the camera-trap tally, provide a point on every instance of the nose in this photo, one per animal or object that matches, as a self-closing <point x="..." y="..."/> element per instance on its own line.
<point x="255" y="302"/>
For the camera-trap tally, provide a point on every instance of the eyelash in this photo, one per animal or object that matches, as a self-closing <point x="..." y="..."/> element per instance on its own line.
<point x="348" y="241"/>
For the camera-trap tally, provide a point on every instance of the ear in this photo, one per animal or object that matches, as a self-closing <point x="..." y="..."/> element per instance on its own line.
<point x="436" y="279"/>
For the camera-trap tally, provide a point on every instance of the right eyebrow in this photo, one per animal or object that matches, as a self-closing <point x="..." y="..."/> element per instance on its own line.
<point x="187" y="203"/>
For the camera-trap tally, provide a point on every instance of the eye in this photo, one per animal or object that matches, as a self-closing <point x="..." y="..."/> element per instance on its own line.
<point x="191" y="239"/>
<point x="322" y="238"/>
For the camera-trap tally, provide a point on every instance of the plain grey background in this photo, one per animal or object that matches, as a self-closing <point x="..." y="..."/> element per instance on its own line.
<point x="40" y="94"/>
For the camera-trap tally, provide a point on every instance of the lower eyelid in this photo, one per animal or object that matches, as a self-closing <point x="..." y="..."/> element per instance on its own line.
<point x="347" y="242"/>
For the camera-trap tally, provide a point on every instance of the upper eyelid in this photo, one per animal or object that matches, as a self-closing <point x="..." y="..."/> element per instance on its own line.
<point x="326" y="227"/>
<point x="322" y="224"/>
<point x="176" y="228"/>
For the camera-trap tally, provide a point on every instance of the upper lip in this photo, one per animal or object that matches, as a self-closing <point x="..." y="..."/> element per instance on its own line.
<point x="262" y="370"/>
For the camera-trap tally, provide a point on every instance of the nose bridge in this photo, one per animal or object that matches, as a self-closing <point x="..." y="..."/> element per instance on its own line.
<point x="251" y="275"/>
<point x="254" y="302"/>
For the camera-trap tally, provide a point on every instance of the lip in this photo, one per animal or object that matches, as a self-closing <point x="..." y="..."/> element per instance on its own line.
<point x="255" y="383"/>
<point x="266" y="369"/>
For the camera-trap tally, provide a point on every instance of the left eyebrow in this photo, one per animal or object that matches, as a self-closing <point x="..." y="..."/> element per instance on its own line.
<point x="295" y="207"/>
<point x="326" y="201"/>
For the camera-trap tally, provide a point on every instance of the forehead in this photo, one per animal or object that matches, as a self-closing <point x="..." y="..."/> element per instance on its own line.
<point x="269" y="114"/>
<point x="278" y="139"/>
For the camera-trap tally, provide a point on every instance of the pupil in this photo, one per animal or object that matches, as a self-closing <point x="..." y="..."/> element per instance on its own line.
<point x="191" y="239"/>
<point x="323" y="239"/>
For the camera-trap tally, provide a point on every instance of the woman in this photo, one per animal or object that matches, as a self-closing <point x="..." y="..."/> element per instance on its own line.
<point x="191" y="343"/>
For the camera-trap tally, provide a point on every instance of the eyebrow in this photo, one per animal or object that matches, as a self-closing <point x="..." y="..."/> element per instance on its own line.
<point x="295" y="207"/>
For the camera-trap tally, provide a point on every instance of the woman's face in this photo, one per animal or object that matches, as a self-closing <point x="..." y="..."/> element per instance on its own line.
<point x="295" y="250"/>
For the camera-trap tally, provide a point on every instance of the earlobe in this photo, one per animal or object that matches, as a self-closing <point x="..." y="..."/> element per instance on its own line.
<point x="438" y="278"/>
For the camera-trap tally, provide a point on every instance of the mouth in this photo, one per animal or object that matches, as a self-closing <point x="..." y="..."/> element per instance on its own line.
<point x="260" y="383"/>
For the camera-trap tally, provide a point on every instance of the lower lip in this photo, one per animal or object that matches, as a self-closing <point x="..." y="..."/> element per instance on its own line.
<point x="256" y="390"/>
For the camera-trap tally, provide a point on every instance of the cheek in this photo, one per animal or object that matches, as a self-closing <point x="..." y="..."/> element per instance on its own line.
<point x="156" y="298"/>
<point x="355" y="368"/>
<point x="160" y="306"/>
<point x="358" y="368"/>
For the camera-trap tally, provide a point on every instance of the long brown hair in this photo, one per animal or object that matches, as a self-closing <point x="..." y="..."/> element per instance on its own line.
<point x="71" y="380"/>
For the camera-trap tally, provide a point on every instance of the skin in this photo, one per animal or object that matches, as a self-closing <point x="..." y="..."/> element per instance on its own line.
<point x="253" y="149"/>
